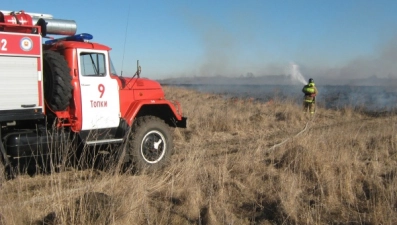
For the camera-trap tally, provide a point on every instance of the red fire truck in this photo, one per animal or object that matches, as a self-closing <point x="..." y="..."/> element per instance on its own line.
<point x="66" y="86"/>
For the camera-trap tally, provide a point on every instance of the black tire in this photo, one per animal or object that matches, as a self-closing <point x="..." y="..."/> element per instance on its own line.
<point x="146" y="133"/>
<point x="2" y="174"/>
<point x="57" y="81"/>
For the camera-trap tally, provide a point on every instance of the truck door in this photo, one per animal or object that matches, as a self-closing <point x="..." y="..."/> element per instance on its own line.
<point x="99" y="92"/>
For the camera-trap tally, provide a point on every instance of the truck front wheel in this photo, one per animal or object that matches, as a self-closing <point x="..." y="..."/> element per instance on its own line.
<point x="150" y="144"/>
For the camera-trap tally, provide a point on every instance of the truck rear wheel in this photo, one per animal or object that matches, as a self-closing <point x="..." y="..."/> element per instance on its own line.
<point x="150" y="144"/>
<point x="57" y="81"/>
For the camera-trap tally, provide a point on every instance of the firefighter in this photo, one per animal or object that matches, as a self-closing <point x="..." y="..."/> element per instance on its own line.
<point x="309" y="101"/>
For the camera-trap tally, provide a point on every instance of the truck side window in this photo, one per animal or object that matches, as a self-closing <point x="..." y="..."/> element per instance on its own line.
<point x="92" y="64"/>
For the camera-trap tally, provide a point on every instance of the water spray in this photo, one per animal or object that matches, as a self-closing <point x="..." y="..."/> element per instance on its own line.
<point x="296" y="74"/>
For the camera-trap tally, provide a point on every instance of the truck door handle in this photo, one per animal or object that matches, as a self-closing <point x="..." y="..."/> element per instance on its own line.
<point x="28" y="106"/>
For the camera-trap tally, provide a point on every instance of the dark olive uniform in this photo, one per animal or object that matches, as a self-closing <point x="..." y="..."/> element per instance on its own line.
<point x="309" y="101"/>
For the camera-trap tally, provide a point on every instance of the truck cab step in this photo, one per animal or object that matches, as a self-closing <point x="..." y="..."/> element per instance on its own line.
<point x="105" y="141"/>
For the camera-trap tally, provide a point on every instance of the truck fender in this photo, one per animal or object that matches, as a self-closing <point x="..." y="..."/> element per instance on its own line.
<point x="134" y="108"/>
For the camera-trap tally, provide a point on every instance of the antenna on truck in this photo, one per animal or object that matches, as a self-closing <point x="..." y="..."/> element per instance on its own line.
<point x="125" y="40"/>
<point x="138" y="69"/>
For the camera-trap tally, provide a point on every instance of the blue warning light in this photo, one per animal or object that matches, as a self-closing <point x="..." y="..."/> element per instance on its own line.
<point x="78" y="37"/>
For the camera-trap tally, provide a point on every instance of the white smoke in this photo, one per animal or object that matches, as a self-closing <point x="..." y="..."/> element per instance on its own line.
<point x="295" y="73"/>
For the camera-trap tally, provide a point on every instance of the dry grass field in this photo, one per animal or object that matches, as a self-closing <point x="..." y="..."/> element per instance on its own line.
<point x="239" y="162"/>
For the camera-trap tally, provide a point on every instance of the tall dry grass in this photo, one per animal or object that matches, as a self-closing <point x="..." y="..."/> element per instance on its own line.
<point x="239" y="162"/>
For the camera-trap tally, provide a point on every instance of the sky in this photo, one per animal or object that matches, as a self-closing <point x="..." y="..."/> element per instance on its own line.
<point x="326" y="38"/>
